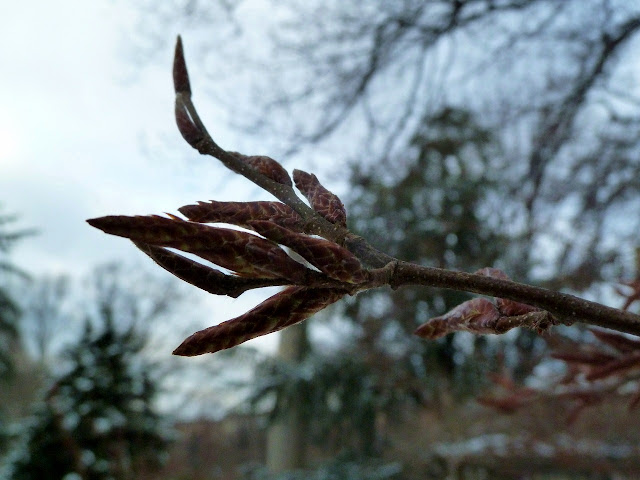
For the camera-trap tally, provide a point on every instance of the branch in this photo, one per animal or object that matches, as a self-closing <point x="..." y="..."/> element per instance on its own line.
<point x="194" y="132"/>
<point x="342" y="262"/>
<point x="568" y="309"/>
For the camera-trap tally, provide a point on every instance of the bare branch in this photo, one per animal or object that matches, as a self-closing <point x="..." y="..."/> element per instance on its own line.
<point x="346" y="262"/>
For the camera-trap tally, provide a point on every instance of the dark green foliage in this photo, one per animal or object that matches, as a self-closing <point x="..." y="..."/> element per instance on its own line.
<point x="98" y="418"/>
<point x="9" y="309"/>
<point x="49" y="441"/>
<point x="432" y="205"/>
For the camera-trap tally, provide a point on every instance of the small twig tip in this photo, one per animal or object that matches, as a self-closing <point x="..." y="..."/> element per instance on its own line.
<point x="181" y="82"/>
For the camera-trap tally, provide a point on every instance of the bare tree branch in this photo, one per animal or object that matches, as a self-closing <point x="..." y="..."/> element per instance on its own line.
<point x="359" y="267"/>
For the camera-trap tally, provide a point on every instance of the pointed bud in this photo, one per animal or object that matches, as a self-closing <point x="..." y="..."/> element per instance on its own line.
<point x="321" y="200"/>
<point x="330" y="258"/>
<point x="240" y="252"/>
<point x="282" y="310"/>
<point x="201" y="276"/>
<point x="477" y="316"/>
<point x="241" y="213"/>
<point x="181" y="82"/>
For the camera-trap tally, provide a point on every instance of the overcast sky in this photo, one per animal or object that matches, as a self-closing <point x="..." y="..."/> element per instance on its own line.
<point x="86" y="132"/>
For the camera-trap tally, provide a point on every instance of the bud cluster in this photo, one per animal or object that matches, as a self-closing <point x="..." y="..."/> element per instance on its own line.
<point x="254" y="260"/>
<point x="336" y="262"/>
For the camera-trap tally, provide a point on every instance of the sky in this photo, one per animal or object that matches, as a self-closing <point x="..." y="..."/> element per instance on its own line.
<point x="85" y="131"/>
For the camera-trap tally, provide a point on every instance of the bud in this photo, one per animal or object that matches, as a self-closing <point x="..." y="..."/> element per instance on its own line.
<point x="330" y="258"/>
<point x="321" y="200"/>
<point x="241" y="213"/>
<point x="267" y="166"/>
<point x="181" y="82"/>
<point x="240" y="252"/>
<point x="282" y="310"/>
<point x="189" y="131"/>
<point x="202" y="276"/>
<point x="477" y="316"/>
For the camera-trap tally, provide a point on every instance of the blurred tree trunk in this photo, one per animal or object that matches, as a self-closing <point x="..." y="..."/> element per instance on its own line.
<point x="287" y="435"/>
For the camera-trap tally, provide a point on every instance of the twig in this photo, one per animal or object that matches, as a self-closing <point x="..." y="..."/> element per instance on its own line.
<point x="343" y="263"/>
<point x="567" y="308"/>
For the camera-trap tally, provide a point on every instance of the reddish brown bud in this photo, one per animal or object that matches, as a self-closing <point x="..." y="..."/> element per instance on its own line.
<point x="267" y="166"/>
<point x="328" y="257"/>
<point x="181" y="82"/>
<point x="201" y="276"/>
<point x="321" y="200"/>
<point x="241" y="213"/>
<point x="284" y="309"/>
<point x="477" y="316"/>
<point x="241" y="252"/>
<point x="509" y="308"/>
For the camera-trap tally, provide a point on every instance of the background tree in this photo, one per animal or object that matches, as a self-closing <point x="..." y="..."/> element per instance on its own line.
<point x="98" y="418"/>
<point x="45" y="313"/>
<point x="288" y="432"/>
<point x="435" y="208"/>
<point x="9" y="308"/>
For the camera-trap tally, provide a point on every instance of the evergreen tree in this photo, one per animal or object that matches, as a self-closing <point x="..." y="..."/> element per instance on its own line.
<point x="9" y="309"/>
<point x="98" y="419"/>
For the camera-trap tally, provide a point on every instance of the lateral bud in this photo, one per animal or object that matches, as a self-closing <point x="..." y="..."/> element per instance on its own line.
<point x="267" y="166"/>
<point x="322" y="200"/>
